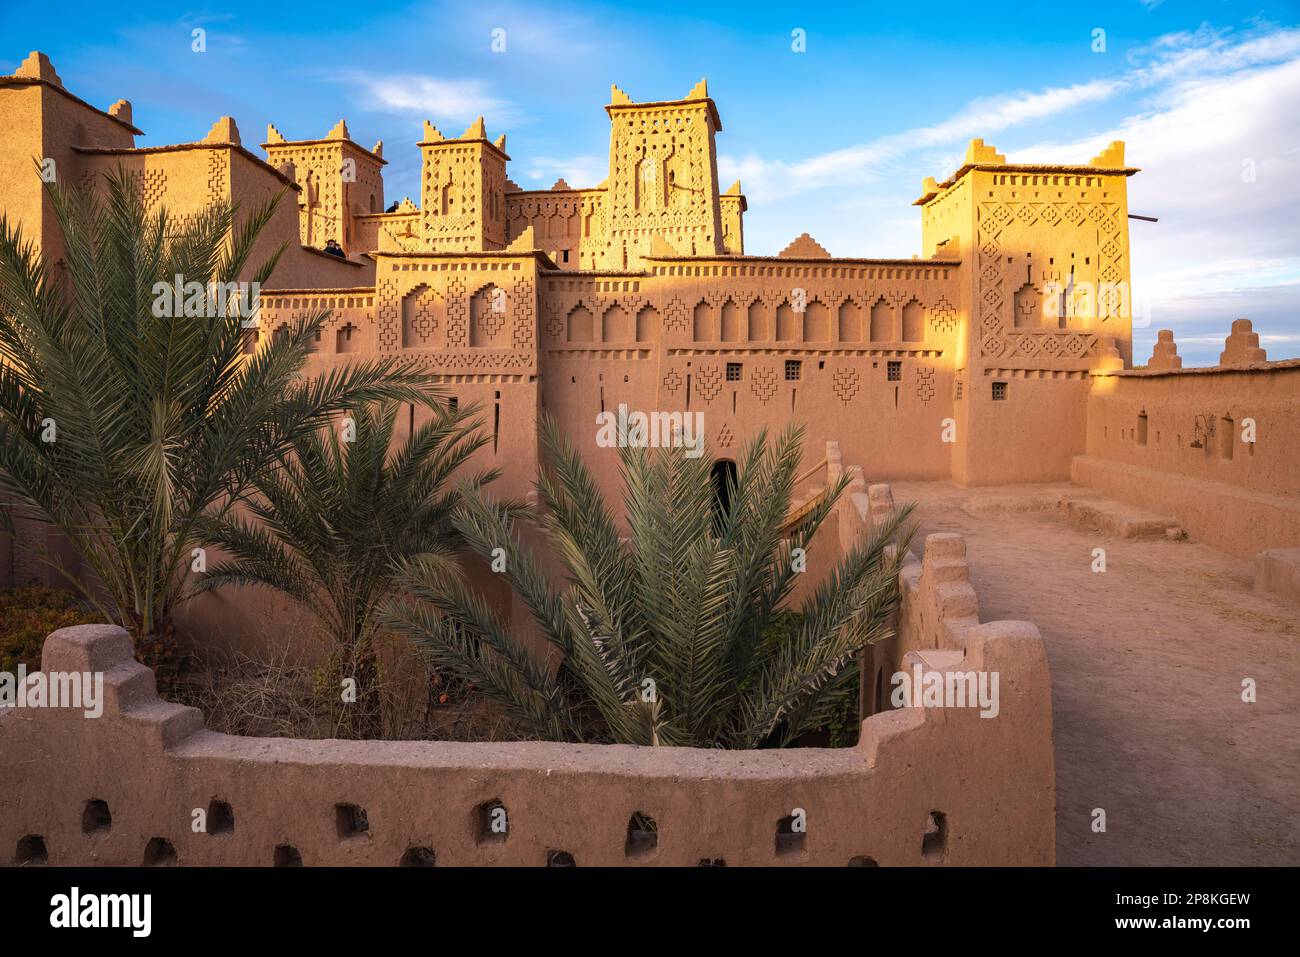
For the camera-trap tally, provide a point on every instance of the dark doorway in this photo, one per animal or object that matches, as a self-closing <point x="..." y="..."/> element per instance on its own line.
<point x="724" y="483"/>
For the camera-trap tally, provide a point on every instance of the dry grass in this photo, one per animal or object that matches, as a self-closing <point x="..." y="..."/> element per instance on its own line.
<point x="280" y="694"/>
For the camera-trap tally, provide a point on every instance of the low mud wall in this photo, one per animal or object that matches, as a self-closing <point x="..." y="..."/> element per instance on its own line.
<point x="1211" y="447"/>
<point x="146" y="783"/>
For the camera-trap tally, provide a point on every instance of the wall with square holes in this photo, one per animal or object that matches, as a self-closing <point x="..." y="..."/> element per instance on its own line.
<point x="924" y="786"/>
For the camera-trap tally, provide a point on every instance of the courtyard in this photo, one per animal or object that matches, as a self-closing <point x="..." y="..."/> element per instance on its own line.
<point x="1147" y="663"/>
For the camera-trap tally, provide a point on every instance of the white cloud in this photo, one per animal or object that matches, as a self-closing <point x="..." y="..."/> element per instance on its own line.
<point x="1208" y="52"/>
<point x="1214" y="108"/>
<point x="858" y="164"/>
<point x="1223" y="240"/>
<point x="1182" y="57"/>
<point x="579" y="172"/>
<point x="995" y="114"/>
<point x="430" y="97"/>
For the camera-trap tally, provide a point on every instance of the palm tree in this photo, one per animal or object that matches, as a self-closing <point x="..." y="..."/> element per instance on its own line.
<point x="673" y="635"/>
<point x="330" y="527"/>
<point x="123" y="428"/>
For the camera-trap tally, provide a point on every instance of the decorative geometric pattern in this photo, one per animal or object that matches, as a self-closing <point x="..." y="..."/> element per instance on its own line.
<point x="725" y="437"/>
<point x="991" y="295"/>
<point x="943" y="317"/>
<point x="218" y="177"/>
<point x="1108" y="303"/>
<point x="401" y="233"/>
<point x="387" y="312"/>
<point x="554" y="318"/>
<point x="925" y="383"/>
<point x="523" y="297"/>
<point x="456" y="311"/>
<point x="676" y="314"/>
<point x="709" y="382"/>
<point x="420" y="305"/>
<point x="673" y="381"/>
<point x="320" y="203"/>
<point x="1024" y="345"/>
<point x="483" y="361"/>
<point x="151" y="184"/>
<point x="846" y="382"/>
<point x="660" y="178"/>
<point x="763" y="383"/>
<point x="450" y="194"/>
<point x="492" y="315"/>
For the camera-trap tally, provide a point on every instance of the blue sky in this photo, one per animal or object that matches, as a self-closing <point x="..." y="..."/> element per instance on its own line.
<point x="834" y="140"/>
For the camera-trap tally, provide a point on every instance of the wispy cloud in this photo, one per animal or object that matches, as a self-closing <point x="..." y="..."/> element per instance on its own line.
<point x="1221" y="170"/>
<point x="858" y="164"/>
<point x="1211" y="120"/>
<point x="578" y="171"/>
<point x="552" y="34"/>
<point x="1208" y="51"/>
<point x="1182" y="57"/>
<point x="430" y="97"/>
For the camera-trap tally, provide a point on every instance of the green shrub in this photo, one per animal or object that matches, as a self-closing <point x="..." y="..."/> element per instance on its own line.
<point x="27" y="615"/>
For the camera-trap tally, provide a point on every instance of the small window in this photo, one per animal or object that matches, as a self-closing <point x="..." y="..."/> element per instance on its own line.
<point x="894" y="371"/>
<point x="1142" y="429"/>
<point x="344" y="340"/>
<point x="565" y="256"/>
<point x="793" y="370"/>
<point x="999" y="391"/>
<point x="733" y="371"/>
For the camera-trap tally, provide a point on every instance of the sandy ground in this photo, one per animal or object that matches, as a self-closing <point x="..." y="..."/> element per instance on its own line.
<point x="1147" y="666"/>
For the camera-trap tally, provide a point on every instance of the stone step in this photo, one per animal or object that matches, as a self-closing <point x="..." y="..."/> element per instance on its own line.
<point x="1277" y="573"/>
<point x="1116" y="518"/>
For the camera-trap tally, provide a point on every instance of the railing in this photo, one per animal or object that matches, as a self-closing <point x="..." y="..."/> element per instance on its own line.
<point x="804" y="508"/>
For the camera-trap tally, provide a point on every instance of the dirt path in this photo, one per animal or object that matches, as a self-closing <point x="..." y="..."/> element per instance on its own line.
<point x="1147" y="666"/>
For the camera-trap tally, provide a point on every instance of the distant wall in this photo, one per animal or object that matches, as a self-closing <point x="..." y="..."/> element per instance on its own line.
<point x="1172" y="441"/>
<point x="859" y="352"/>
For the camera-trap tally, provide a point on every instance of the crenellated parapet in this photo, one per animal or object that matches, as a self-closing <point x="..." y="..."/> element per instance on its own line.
<point x="339" y="181"/>
<point x="663" y="177"/>
<point x="462" y="190"/>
